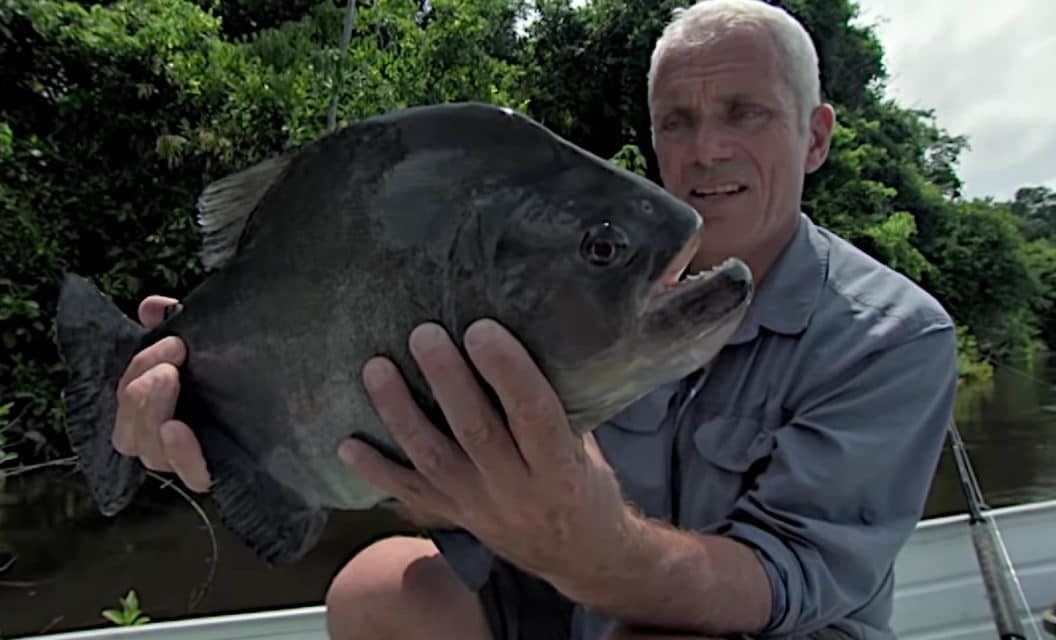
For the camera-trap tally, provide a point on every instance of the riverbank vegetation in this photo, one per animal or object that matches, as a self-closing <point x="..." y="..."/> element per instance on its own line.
<point x="115" y="115"/>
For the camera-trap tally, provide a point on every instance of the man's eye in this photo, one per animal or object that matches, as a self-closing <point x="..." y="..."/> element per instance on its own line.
<point x="748" y="113"/>
<point x="674" y="122"/>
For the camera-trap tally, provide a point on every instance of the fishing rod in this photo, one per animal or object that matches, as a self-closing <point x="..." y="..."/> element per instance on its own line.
<point x="999" y="576"/>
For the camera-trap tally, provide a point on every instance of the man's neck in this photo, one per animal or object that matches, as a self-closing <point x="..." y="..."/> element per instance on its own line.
<point x="762" y="261"/>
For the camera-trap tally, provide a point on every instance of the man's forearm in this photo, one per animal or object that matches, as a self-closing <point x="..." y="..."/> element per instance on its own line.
<point x="678" y="580"/>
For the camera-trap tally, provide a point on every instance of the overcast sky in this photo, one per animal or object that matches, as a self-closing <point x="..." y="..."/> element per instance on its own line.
<point x="989" y="71"/>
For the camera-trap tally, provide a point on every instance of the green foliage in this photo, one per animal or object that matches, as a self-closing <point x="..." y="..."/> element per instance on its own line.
<point x="971" y="364"/>
<point x="631" y="158"/>
<point x="1036" y="209"/>
<point x="129" y="614"/>
<point x="117" y="114"/>
<point x="1039" y="256"/>
<point x="983" y="278"/>
<point x="5" y="455"/>
<point x="892" y="239"/>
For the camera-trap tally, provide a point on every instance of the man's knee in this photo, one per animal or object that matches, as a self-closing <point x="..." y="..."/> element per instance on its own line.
<point x="401" y="587"/>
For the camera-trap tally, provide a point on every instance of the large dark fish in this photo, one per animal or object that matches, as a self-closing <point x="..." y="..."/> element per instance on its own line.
<point x="329" y="255"/>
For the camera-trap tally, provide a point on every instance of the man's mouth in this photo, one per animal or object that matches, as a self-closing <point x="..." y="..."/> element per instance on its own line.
<point x="724" y="189"/>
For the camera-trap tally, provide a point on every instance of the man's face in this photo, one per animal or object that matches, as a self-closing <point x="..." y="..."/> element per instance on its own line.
<point x="731" y="141"/>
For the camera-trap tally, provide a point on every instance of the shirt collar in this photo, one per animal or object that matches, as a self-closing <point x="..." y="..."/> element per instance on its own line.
<point x="785" y="300"/>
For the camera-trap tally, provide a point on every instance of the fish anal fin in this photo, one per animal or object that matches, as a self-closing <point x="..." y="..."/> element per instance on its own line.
<point x="226" y="205"/>
<point x="272" y="520"/>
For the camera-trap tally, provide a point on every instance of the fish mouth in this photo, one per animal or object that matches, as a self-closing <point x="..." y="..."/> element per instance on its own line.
<point x="706" y="300"/>
<point x="676" y="269"/>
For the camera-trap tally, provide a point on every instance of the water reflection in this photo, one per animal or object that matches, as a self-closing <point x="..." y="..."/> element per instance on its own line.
<point x="71" y="562"/>
<point x="1009" y="431"/>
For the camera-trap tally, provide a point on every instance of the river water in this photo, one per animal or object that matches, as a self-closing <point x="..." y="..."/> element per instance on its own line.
<point x="70" y="563"/>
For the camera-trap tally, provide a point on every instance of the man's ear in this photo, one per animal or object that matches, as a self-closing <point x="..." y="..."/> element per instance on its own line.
<point x="822" y="123"/>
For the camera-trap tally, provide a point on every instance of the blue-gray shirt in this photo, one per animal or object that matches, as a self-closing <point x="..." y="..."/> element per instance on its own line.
<point x="812" y="438"/>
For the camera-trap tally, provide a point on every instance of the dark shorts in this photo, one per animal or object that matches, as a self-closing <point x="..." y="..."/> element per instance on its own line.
<point x="519" y="606"/>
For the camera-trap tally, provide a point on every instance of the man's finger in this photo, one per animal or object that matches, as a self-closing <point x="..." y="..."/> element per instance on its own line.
<point x="424" y="520"/>
<point x="185" y="455"/>
<point x="470" y="414"/>
<point x="157" y="390"/>
<point x="152" y="310"/>
<point x="170" y="349"/>
<point x="434" y="455"/>
<point x="405" y="485"/>
<point x="536" y="416"/>
<point x="130" y="397"/>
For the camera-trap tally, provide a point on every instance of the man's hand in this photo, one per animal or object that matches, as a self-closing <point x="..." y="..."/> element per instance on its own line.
<point x="146" y="400"/>
<point x="536" y="493"/>
<point x="423" y="519"/>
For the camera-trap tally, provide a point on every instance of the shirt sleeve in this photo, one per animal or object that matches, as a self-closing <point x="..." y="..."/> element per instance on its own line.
<point x="849" y="477"/>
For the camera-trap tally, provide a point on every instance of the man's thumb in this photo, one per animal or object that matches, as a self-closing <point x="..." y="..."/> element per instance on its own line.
<point x="152" y="310"/>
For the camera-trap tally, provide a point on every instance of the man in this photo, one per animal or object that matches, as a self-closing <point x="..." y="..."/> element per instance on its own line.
<point x="767" y="495"/>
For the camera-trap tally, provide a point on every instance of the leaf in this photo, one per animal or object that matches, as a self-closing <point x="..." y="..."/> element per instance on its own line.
<point x="131" y="601"/>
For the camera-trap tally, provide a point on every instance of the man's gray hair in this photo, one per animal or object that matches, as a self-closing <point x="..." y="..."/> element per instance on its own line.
<point x="708" y="19"/>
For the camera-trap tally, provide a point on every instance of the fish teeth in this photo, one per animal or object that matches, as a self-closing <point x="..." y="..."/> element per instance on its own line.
<point x="722" y="266"/>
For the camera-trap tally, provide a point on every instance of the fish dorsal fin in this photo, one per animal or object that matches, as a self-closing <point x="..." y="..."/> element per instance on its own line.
<point x="226" y="205"/>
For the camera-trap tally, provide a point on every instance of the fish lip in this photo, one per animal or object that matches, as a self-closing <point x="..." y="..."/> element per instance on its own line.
<point x="700" y="306"/>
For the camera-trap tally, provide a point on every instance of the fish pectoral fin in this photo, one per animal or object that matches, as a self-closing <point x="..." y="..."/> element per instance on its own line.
<point x="226" y="205"/>
<point x="275" y="522"/>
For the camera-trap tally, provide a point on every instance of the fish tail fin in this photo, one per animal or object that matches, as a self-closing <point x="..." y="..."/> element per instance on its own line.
<point x="277" y="523"/>
<point x="96" y="340"/>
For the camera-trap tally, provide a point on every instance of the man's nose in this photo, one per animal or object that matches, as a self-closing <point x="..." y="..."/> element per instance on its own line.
<point x="711" y="147"/>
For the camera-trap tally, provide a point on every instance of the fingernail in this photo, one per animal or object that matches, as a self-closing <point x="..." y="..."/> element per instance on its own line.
<point x="375" y="371"/>
<point x="481" y="332"/>
<point x="426" y="336"/>
<point x="349" y="451"/>
<point x="168" y="436"/>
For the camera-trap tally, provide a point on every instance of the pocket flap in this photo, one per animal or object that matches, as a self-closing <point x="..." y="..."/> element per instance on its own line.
<point x="734" y="443"/>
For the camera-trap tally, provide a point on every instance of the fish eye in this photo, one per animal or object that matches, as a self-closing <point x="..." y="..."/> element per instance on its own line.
<point x="603" y="244"/>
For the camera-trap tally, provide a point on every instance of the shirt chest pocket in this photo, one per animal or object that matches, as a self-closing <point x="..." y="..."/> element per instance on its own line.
<point x="719" y="463"/>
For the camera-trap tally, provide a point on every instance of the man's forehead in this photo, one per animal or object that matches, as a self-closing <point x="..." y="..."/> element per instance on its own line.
<point x="691" y="74"/>
<point x="735" y="60"/>
<point x="684" y="88"/>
